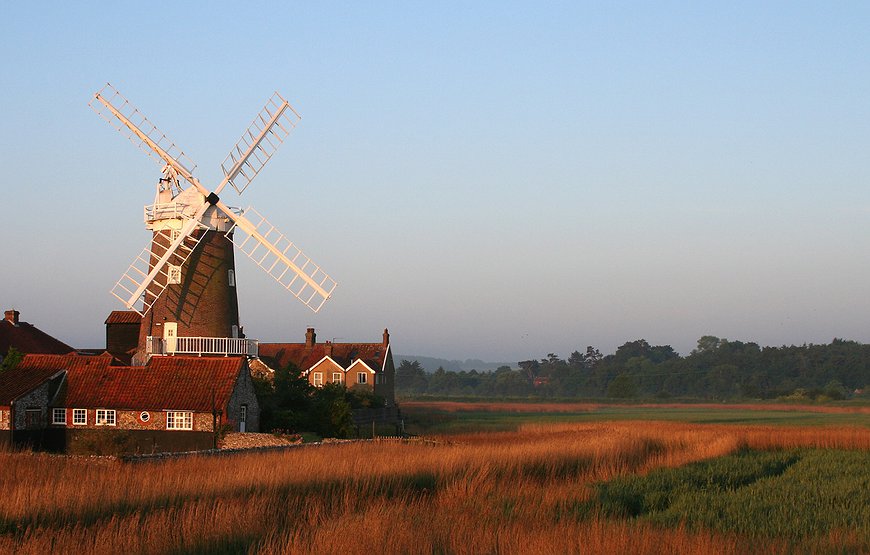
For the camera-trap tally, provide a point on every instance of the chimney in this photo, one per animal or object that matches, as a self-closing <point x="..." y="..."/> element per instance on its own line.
<point x="310" y="337"/>
<point x="386" y="337"/>
<point x="12" y="316"/>
<point x="328" y="348"/>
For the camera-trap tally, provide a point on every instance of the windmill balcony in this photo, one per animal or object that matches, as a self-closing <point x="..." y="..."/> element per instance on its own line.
<point x="199" y="346"/>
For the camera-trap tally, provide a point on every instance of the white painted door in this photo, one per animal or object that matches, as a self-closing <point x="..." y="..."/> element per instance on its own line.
<point x="170" y="333"/>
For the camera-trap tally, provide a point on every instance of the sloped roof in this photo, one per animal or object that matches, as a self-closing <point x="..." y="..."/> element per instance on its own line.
<point x="17" y="381"/>
<point x="124" y="317"/>
<point x="305" y="356"/>
<point x="27" y="338"/>
<point x="181" y="383"/>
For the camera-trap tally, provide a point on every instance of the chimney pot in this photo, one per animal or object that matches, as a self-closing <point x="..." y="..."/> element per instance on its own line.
<point x="12" y="316"/>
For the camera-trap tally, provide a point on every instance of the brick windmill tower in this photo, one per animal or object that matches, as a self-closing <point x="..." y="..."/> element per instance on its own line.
<point x="183" y="284"/>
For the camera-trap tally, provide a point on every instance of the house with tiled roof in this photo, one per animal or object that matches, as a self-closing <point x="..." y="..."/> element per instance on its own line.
<point x="27" y="338"/>
<point x="172" y="404"/>
<point x="358" y="365"/>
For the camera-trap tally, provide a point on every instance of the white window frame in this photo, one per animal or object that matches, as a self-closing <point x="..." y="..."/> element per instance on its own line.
<point x="80" y="417"/>
<point x="173" y="235"/>
<point x="179" y="420"/>
<point x="361" y="378"/>
<point x="173" y="274"/>
<point x="318" y="379"/>
<point x="339" y="375"/>
<point x="106" y="417"/>
<point x="58" y="416"/>
<point x="231" y="278"/>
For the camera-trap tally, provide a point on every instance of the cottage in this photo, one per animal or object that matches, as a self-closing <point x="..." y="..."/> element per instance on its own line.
<point x="172" y="404"/>
<point x="358" y="365"/>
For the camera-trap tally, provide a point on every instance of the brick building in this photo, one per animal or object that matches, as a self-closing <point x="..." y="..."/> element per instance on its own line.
<point x="361" y="365"/>
<point x="84" y="404"/>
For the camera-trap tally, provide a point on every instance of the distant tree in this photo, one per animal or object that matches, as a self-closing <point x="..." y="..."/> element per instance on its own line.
<point x="592" y="357"/>
<point x="530" y="368"/>
<point x="622" y="387"/>
<point x="411" y="378"/>
<point x="708" y="344"/>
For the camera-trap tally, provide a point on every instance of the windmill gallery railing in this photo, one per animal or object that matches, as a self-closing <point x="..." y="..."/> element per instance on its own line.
<point x="202" y="346"/>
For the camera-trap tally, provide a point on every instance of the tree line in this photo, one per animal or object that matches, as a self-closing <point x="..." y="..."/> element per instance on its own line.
<point x="717" y="369"/>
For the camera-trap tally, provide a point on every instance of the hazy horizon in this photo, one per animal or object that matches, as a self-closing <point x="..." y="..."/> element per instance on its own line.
<point x="495" y="181"/>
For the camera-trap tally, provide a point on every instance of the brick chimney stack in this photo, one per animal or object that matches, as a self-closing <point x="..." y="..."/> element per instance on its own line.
<point x="328" y="348"/>
<point x="310" y="337"/>
<point x="12" y="316"/>
<point x="386" y="337"/>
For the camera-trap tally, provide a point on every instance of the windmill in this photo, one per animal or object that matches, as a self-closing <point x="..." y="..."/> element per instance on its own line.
<point x="183" y="283"/>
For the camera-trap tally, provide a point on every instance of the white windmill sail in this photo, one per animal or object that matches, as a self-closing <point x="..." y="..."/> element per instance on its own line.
<point x="130" y="122"/>
<point x="281" y="259"/>
<point x="259" y="142"/>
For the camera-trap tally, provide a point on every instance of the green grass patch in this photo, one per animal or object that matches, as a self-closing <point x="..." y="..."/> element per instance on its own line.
<point x="434" y="421"/>
<point x="791" y="495"/>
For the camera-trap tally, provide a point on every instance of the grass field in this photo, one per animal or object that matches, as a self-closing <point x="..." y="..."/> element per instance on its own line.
<point x="630" y="486"/>
<point x="447" y="417"/>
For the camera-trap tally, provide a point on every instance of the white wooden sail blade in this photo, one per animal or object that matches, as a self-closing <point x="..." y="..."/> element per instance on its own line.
<point x="281" y="259"/>
<point x="133" y="124"/>
<point x="258" y="143"/>
<point x="148" y="275"/>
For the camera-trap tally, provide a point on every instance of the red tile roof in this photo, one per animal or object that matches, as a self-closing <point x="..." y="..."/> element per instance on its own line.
<point x="27" y="338"/>
<point x="180" y="383"/>
<point x="17" y="381"/>
<point x="304" y="356"/>
<point x="124" y="317"/>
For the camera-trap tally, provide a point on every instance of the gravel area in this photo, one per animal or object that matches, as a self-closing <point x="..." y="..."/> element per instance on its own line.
<point x="250" y="440"/>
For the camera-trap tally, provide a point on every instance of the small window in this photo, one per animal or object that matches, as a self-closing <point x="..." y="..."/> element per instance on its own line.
<point x="58" y="416"/>
<point x="243" y="413"/>
<point x="174" y="274"/>
<point x="144" y="416"/>
<point x="179" y="420"/>
<point x="80" y="417"/>
<point x="174" y="234"/>
<point x="105" y="417"/>
<point x="231" y="277"/>
<point x="318" y="379"/>
<point x="361" y="377"/>
<point x="336" y="377"/>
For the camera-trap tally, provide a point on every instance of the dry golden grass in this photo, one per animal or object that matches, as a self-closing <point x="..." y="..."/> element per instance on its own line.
<point x="508" y="492"/>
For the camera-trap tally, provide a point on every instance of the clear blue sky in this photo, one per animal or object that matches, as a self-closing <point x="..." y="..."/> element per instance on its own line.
<point x="496" y="180"/>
